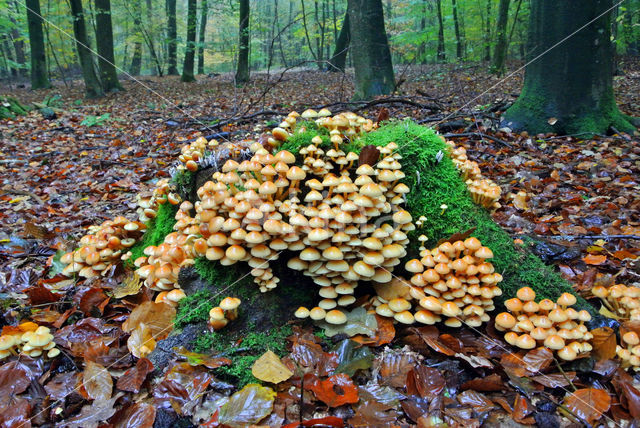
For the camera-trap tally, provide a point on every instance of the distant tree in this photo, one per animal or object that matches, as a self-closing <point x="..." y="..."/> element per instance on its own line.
<point x="500" y="52"/>
<point x="172" y="36"/>
<point x="93" y="88"/>
<point x="456" y="27"/>
<point x="136" y="60"/>
<point x="39" y="76"/>
<point x="104" y="42"/>
<point x="189" y="54"/>
<point x="242" y="72"/>
<point x="203" y="29"/>
<point x="568" y="86"/>
<point x="18" y="43"/>
<point x="371" y="58"/>
<point x="441" y="55"/>
<point x="339" y="57"/>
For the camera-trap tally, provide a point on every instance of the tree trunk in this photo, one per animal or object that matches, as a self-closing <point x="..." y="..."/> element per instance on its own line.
<point x="441" y="52"/>
<point x="372" y="58"/>
<point x="487" y="34"/>
<point x="339" y="57"/>
<point x="422" y="49"/>
<point x="568" y="89"/>
<point x="136" y="60"/>
<point x="39" y="76"/>
<point x="93" y="88"/>
<point x="500" y="52"/>
<point x="203" y="28"/>
<point x="456" y="26"/>
<point x="104" y="42"/>
<point x="18" y="43"/>
<point x="172" y="36"/>
<point x="242" y="72"/>
<point x="189" y="54"/>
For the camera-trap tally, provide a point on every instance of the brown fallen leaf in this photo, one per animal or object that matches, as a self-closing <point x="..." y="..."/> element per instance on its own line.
<point x="593" y="259"/>
<point x="335" y="391"/>
<point x="133" y="378"/>
<point x="97" y="381"/>
<point x="588" y="403"/>
<point x="604" y="343"/>
<point x="269" y="368"/>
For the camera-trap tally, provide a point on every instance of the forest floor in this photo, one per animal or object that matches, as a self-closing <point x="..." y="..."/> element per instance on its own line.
<point x="58" y="176"/>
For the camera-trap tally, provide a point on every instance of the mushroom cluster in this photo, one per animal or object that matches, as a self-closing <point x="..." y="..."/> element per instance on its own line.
<point x="29" y="339"/>
<point x="102" y="247"/>
<point x="484" y="192"/>
<point x="227" y="310"/>
<point x="148" y="202"/>
<point x="630" y="353"/>
<point x="171" y="297"/>
<point x="555" y="325"/>
<point x="622" y="301"/>
<point x="453" y="280"/>
<point x="192" y="153"/>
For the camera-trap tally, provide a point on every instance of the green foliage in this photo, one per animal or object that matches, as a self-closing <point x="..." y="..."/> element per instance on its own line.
<point x="157" y="229"/>
<point x="299" y="139"/>
<point x="195" y="308"/>
<point x="91" y="120"/>
<point x="11" y="107"/>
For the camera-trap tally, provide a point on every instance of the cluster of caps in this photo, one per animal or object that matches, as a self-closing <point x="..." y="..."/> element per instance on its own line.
<point x="484" y="192"/>
<point x="557" y="326"/>
<point x="148" y="202"/>
<point x="630" y="354"/>
<point x="621" y="300"/>
<point x="102" y="247"/>
<point x="28" y="339"/>
<point x="192" y="153"/>
<point x="453" y="280"/>
<point x="227" y="310"/>
<point x="160" y="265"/>
<point x="171" y="297"/>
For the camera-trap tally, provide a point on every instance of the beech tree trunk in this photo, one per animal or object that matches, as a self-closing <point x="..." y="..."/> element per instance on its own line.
<point x="441" y="55"/>
<point x="339" y="57"/>
<point x="372" y="58"/>
<point x="172" y="36"/>
<point x="189" y="54"/>
<point x="568" y="89"/>
<point x="242" y="72"/>
<point x="93" y="88"/>
<point x="39" y="76"/>
<point x="104" y="42"/>
<point x="500" y="52"/>
<point x="202" y="31"/>
<point x="136" y="60"/>
<point x="456" y="26"/>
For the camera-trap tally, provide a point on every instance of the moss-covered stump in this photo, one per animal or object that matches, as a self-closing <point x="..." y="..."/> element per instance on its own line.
<point x="11" y="107"/>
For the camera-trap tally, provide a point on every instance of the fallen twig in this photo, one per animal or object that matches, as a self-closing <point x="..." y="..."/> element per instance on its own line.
<point x="573" y="237"/>
<point x="480" y="135"/>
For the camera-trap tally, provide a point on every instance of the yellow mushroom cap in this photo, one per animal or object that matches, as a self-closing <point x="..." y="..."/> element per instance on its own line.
<point x="554" y="342"/>
<point x="525" y="342"/>
<point x="505" y="321"/>
<point x="566" y="299"/>
<point x="335" y="316"/>
<point x="317" y="313"/>
<point x="526" y="294"/>
<point x="230" y="303"/>
<point x="404" y="317"/>
<point x="567" y="353"/>
<point x="631" y="337"/>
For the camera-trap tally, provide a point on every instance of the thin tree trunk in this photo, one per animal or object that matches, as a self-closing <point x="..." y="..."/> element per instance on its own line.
<point x="487" y="34"/>
<point x="203" y="29"/>
<point x="39" y="76"/>
<point x="441" y="52"/>
<point x="456" y="26"/>
<point x="172" y="36"/>
<point x="500" y="52"/>
<point x="93" y="88"/>
<point x="18" y="43"/>
<point x="189" y="55"/>
<point x="242" y="72"/>
<point x="8" y="56"/>
<point x="372" y="58"/>
<point x="136" y="60"/>
<point x="306" y="30"/>
<point x="339" y="57"/>
<point x="422" y="48"/>
<point x="104" y="42"/>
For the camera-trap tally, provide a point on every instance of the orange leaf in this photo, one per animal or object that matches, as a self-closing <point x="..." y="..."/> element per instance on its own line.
<point x="604" y="343"/>
<point x="588" y="403"/>
<point x="592" y="259"/>
<point x="335" y="391"/>
<point x="385" y="333"/>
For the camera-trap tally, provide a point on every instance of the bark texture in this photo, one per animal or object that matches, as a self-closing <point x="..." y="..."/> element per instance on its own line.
<point x="172" y="36"/>
<point x="500" y="52"/>
<point x="39" y="76"/>
<point x="93" y="88"/>
<point x="242" y="72"/>
<point x="339" y="57"/>
<point x="370" y="49"/>
<point x="104" y="42"/>
<point x="203" y="29"/>
<point x="190" y="51"/>
<point x="568" y="89"/>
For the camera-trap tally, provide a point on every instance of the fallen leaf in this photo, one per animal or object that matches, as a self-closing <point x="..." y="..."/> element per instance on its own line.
<point x="538" y="360"/>
<point x="352" y="357"/>
<point x="489" y="383"/>
<point x="133" y="378"/>
<point x="182" y="388"/>
<point x="425" y="382"/>
<point x="334" y="391"/>
<point x="477" y="400"/>
<point x="359" y="321"/>
<point x="604" y="343"/>
<point x="158" y="317"/>
<point x="385" y="333"/>
<point x="588" y="403"/>
<point x="248" y="406"/>
<point x="269" y="368"/>
<point x="196" y="359"/>
<point x="97" y="381"/>
<point x="593" y="259"/>
<point x="141" y="342"/>
<point x="130" y="286"/>
<point x="330" y="421"/>
<point x="555" y="380"/>
<point x="373" y="413"/>
<point x="93" y="415"/>
<point x="138" y="415"/>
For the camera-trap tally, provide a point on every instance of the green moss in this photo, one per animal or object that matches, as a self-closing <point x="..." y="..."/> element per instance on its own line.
<point x="300" y="139"/>
<point x="434" y="183"/>
<point x="183" y="181"/>
<point x="243" y="353"/>
<point x="157" y="229"/>
<point x="195" y="308"/>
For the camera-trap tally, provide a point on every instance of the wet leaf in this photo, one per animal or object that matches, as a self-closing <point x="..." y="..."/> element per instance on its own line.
<point x="158" y="317"/>
<point x="138" y="415"/>
<point x="196" y="359"/>
<point x="352" y="358"/>
<point x="393" y="367"/>
<point x="133" y="378"/>
<point x="141" y="342"/>
<point x="248" y="406"/>
<point x="330" y="421"/>
<point x="359" y="321"/>
<point x="97" y="381"/>
<point x="309" y="354"/>
<point x="592" y="259"/>
<point x="269" y="368"/>
<point x="182" y="387"/>
<point x="373" y="413"/>
<point x="14" y="379"/>
<point x="555" y="380"/>
<point x="485" y="384"/>
<point x="477" y="400"/>
<point x="384" y="334"/>
<point x="62" y="385"/>
<point x="475" y="361"/>
<point x="425" y="382"/>
<point x="93" y="415"/>
<point x="379" y="393"/>
<point x="334" y="391"/>
<point x="130" y="286"/>
<point x="538" y="360"/>
<point x="604" y="343"/>
<point x="14" y="413"/>
<point x="588" y="403"/>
